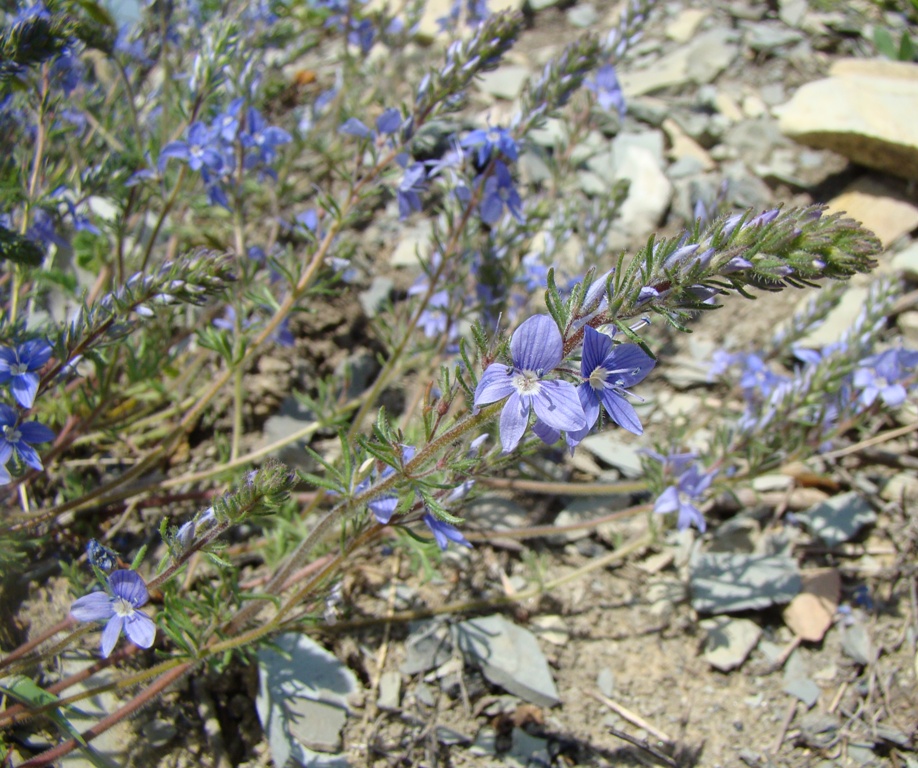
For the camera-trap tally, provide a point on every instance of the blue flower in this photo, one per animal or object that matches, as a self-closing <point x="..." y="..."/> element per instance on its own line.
<point x="18" y="437"/>
<point x="491" y="140"/>
<point x="200" y="151"/>
<point x="354" y="127"/>
<point x="499" y="191"/>
<point x="608" y="370"/>
<point x="608" y="90"/>
<point x="384" y="506"/>
<point x="264" y="139"/>
<point x="444" y="533"/>
<point x="411" y="184"/>
<point x="537" y="349"/>
<point x="882" y="375"/>
<point x="20" y="365"/>
<point x="389" y="121"/>
<point x="690" y="487"/>
<point x="119" y="611"/>
<point x="681" y="498"/>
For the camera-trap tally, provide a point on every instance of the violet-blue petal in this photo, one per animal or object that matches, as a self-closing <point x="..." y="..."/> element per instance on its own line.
<point x="668" y="501"/>
<point x="111" y="633"/>
<point x="96" y="606"/>
<point x="495" y="384"/>
<point x="383" y="508"/>
<point x="33" y="432"/>
<point x="537" y="345"/>
<point x="548" y="435"/>
<point x="24" y="388"/>
<point x="558" y="405"/>
<point x="621" y="411"/>
<point x="444" y="533"/>
<point x="140" y="629"/>
<point x="514" y="419"/>
<point x="29" y="455"/>
<point x="130" y="586"/>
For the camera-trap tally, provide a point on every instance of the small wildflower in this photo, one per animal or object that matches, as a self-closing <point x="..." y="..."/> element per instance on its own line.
<point x="499" y="191"/>
<point x="537" y="349"/>
<point x="491" y="140"/>
<point x="20" y="365"/>
<point x="444" y="533"/>
<point x="608" y="91"/>
<point x="101" y="556"/>
<point x="16" y="437"/>
<point x="119" y="610"/>
<point x="689" y="489"/>
<point x="412" y="183"/>
<point x="608" y="370"/>
<point x="880" y="376"/>
<point x="201" y="150"/>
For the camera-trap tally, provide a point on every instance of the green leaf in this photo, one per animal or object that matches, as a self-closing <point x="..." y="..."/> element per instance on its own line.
<point x="18" y="249"/>
<point x="27" y="692"/>
<point x="906" y="48"/>
<point x="884" y="43"/>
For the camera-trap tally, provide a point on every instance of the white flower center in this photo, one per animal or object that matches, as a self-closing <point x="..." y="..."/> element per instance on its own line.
<point x="122" y="607"/>
<point x="12" y="434"/>
<point x="598" y="377"/>
<point x="18" y="369"/>
<point x="527" y="382"/>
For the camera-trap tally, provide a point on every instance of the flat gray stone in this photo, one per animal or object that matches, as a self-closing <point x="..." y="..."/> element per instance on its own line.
<point x="625" y="457"/>
<point x="726" y="583"/>
<point x="390" y="691"/>
<point x="605" y="681"/>
<point x="906" y="262"/>
<point x="427" y="647"/>
<point x="839" y="518"/>
<point x="303" y="700"/>
<point x="767" y="37"/>
<point x="698" y="62"/>
<point x="729" y="641"/>
<point x="583" y="509"/>
<point x="804" y="689"/>
<point x="505" y="82"/>
<point x="509" y="656"/>
<point x="857" y="645"/>
<point x="582" y="16"/>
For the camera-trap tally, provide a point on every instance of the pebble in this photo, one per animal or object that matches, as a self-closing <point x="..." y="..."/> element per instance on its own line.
<point x="726" y="583"/>
<point x="729" y="641"/>
<point x="390" y="691"/>
<point x="582" y="16"/>
<point x="505" y="82"/>
<point x="509" y="657"/>
<point x="683" y="28"/>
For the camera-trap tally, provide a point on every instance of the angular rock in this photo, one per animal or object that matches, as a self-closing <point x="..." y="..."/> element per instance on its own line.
<point x="726" y="583"/>
<point x="624" y="457"/>
<point x="390" y="691"/>
<point x="884" y="210"/>
<point x="729" y="641"/>
<point x="582" y="16"/>
<point x="839" y="519"/>
<point x="683" y="28"/>
<point x="505" y="82"/>
<point x="810" y="614"/>
<point x="866" y="111"/>
<point x="649" y="192"/>
<point x="698" y="62"/>
<point x="906" y="262"/>
<point x="303" y="700"/>
<point x="509" y="656"/>
<point x="428" y="646"/>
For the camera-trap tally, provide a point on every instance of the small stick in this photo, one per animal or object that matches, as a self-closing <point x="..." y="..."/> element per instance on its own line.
<point x="788" y="719"/>
<point x="631" y="717"/>
<point x="643" y="745"/>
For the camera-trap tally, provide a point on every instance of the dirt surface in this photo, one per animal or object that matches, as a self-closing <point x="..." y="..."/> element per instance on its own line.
<point x="625" y="646"/>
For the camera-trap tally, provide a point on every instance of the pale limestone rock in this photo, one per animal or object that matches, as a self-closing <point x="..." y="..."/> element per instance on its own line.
<point x="685" y="25"/>
<point x="682" y="145"/>
<point x="879" y="208"/>
<point x="866" y="111"/>
<point x="698" y="62"/>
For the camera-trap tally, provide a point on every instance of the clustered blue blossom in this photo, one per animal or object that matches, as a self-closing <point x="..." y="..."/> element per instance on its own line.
<point x="20" y="365"/>
<point x="212" y="150"/>
<point x="119" y="608"/>
<point x="537" y="349"/>
<point x="692" y="484"/>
